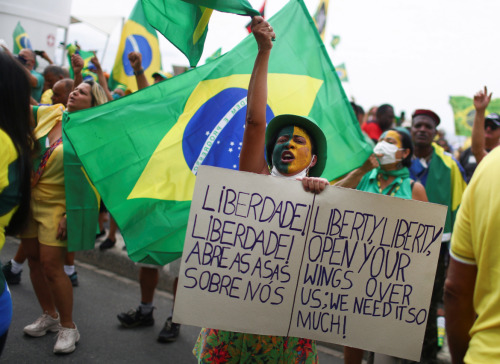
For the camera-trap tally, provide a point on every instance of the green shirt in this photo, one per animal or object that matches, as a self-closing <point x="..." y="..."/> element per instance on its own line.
<point x="36" y="92"/>
<point x="400" y="187"/>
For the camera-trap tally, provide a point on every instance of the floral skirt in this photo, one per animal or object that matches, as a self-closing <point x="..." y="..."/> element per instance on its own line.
<point x="218" y="346"/>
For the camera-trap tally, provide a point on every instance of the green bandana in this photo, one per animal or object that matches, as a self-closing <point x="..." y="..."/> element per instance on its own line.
<point x="403" y="172"/>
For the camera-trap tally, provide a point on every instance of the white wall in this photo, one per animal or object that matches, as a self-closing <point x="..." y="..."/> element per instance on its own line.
<point x="40" y="19"/>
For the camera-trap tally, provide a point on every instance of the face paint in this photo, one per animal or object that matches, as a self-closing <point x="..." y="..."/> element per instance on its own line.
<point x="292" y="152"/>
<point x="393" y="137"/>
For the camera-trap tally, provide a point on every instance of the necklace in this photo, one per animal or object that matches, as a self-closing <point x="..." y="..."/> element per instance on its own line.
<point x="395" y="187"/>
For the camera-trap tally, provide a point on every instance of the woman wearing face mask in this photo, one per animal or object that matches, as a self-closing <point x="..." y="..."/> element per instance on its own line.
<point x="44" y="240"/>
<point x="295" y="148"/>
<point x="385" y="172"/>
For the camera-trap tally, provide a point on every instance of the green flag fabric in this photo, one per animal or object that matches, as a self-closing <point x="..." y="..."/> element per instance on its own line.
<point x="214" y="55"/>
<point x="444" y="184"/>
<point x="139" y="36"/>
<point x="142" y="151"/>
<point x="82" y="200"/>
<point x="241" y="7"/>
<point x="183" y="24"/>
<point x="464" y="112"/>
<point x="21" y="39"/>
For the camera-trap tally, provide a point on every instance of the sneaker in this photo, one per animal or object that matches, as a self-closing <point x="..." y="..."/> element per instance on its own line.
<point x="107" y="244"/>
<point x="74" y="279"/>
<point x="134" y="318"/>
<point x="100" y="234"/>
<point x="41" y="325"/>
<point x="66" y="340"/>
<point x="170" y="331"/>
<point x="10" y="277"/>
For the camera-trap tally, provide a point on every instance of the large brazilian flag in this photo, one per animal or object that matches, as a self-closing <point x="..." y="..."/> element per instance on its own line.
<point x="139" y="36"/>
<point x="464" y="112"/>
<point x="142" y="152"/>
<point x="21" y="39"/>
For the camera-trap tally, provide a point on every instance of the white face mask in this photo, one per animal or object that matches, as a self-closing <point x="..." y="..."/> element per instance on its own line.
<point x="275" y="173"/>
<point x="301" y="174"/>
<point x="389" y="152"/>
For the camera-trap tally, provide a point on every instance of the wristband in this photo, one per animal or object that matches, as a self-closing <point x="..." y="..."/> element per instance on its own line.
<point x="140" y="72"/>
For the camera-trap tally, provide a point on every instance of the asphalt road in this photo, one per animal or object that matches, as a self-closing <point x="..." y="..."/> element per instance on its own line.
<point x="99" y="298"/>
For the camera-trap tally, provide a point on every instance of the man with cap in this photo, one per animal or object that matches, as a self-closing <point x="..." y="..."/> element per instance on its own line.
<point x="28" y="58"/>
<point x="159" y="76"/>
<point x="444" y="182"/>
<point x="485" y="133"/>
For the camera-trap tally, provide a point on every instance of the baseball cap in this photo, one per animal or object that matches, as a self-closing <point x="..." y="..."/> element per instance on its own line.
<point x="493" y="117"/>
<point x="164" y="75"/>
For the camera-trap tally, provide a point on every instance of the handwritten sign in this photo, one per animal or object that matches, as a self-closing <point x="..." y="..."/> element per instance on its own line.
<point x="263" y="256"/>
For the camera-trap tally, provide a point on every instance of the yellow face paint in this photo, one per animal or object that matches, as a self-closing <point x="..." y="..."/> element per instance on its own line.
<point x="293" y="151"/>
<point x="393" y="137"/>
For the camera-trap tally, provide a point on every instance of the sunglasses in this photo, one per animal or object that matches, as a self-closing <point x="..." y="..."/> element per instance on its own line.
<point x="491" y="125"/>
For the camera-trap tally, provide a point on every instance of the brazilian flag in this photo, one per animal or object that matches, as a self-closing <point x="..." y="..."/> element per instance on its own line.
<point x="145" y="171"/>
<point x="320" y="17"/>
<point x="342" y="72"/>
<point x="21" y="39"/>
<point x="185" y="23"/>
<point x="139" y="36"/>
<point x="335" y="41"/>
<point x="464" y="112"/>
<point x="87" y="64"/>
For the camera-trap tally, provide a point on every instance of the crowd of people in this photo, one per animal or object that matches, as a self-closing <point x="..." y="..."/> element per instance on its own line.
<point x="410" y="160"/>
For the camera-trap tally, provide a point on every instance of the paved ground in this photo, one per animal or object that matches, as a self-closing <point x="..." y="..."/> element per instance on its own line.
<point x="108" y="286"/>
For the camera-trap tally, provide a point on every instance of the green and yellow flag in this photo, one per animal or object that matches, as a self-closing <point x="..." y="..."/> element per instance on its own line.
<point x="342" y="72"/>
<point x="320" y="17"/>
<point x="87" y="64"/>
<point x="464" y="112"/>
<point x="335" y="41"/>
<point x="138" y="36"/>
<point x="241" y="7"/>
<point x="21" y="39"/>
<point x="145" y="171"/>
<point x="214" y="55"/>
<point x="185" y="23"/>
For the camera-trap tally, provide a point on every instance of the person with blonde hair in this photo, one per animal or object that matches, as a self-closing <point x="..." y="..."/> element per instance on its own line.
<point x="44" y="240"/>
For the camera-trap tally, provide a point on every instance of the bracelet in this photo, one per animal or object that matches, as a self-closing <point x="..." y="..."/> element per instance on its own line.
<point x="140" y="72"/>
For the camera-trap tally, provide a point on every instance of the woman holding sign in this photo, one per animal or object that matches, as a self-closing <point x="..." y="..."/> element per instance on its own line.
<point x="295" y="148"/>
<point x="391" y="159"/>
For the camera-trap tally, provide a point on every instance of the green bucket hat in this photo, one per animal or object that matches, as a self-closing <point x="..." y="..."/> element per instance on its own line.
<point x="312" y="129"/>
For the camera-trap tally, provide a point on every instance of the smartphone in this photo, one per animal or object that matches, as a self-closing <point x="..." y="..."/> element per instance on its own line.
<point x="38" y="53"/>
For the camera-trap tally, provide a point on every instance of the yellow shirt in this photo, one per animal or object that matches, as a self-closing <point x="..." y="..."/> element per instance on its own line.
<point x="476" y="240"/>
<point x="9" y="156"/>
<point x="51" y="184"/>
<point x="47" y="97"/>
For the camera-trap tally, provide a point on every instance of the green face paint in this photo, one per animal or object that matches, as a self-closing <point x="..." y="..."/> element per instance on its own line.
<point x="292" y="152"/>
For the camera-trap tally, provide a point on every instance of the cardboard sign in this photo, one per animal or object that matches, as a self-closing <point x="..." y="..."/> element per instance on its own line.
<point x="263" y="256"/>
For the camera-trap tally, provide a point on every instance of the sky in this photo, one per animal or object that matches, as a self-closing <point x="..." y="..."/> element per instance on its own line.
<point x="411" y="54"/>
